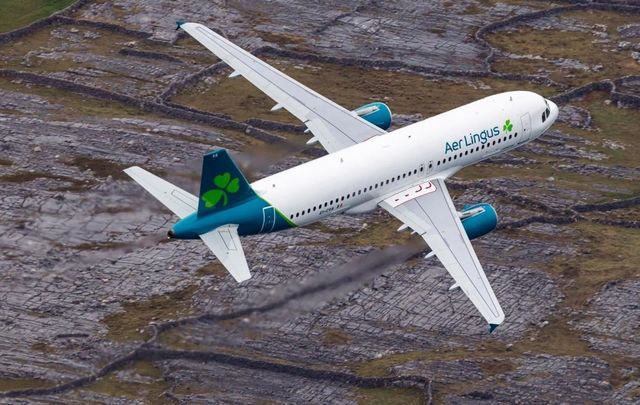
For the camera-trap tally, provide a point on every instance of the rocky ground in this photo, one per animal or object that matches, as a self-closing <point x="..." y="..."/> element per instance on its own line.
<point x="97" y="306"/>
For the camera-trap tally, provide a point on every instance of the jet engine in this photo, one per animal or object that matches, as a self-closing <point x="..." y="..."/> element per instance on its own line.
<point x="478" y="219"/>
<point x="376" y="113"/>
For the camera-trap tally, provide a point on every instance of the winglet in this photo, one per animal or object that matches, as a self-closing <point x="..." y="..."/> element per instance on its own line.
<point x="492" y="327"/>
<point x="179" y="24"/>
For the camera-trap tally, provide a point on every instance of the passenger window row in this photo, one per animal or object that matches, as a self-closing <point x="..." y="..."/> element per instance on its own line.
<point x="477" y="148"/>
<point x="358" y="192"/>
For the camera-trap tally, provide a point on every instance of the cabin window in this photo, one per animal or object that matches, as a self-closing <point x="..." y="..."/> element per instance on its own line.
<point x="499" y="140"/>
<point x="516" y="135"/>
<point x="449" y="158"/>
<point x="438" y="163"/>
<point x="415" y="171"/>
<point x="291" y="216"/>
<point x="387" y="181"/>
<point x="348" y="196"/>
<point x="359" y="192"/>
<point x="421" y="168"/>
<point x="430" y="166"/>
<point x="314" y="208"/>
<point x="297" y="214"/>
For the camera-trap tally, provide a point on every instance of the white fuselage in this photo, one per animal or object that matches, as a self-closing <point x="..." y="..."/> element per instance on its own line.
<point x="356" y="178"/>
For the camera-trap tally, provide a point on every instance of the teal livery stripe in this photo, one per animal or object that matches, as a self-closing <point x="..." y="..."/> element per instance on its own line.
<point x="282" y="216"/>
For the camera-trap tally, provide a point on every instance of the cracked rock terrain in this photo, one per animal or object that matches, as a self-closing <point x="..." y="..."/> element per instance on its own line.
<point x="97" y="306"/>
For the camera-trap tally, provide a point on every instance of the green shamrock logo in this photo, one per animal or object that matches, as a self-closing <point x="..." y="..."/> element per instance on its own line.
<point x="508" y="126"/>
<point x="225" y="184"/>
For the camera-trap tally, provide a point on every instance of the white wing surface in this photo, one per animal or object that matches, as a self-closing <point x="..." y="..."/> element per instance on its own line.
<point x="176" y="199"/>
<point x="428" y="210"/>
<point x="335" y="127"/>
<point x="224" y="242"/>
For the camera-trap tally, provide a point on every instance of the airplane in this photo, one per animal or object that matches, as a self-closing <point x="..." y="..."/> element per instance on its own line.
<point x="403" y="171"/>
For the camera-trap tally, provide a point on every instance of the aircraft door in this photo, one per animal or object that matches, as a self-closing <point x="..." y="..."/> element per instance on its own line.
<point x="268" y="219"/>
<point x="526" y="127"/>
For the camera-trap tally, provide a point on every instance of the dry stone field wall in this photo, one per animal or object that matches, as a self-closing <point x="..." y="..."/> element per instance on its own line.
<point x="96" y="305"/>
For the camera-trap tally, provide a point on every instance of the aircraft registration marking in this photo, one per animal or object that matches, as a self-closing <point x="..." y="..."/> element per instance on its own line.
<point x="410" y="194"/>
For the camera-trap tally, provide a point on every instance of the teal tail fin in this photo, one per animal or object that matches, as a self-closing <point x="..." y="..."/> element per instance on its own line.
<point x="222" y="184"/>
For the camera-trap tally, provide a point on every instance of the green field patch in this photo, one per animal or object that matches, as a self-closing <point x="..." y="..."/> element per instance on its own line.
<point x="335" y="337"/>
<point x="127" y="324"/>
<point x="551" y="44"/>
<point x="142" y="380"/>
<point x="19" y="13"/>
<point x="390" y="396"/>
<point x="11" y="384"/>
<point x="604" y="256"/>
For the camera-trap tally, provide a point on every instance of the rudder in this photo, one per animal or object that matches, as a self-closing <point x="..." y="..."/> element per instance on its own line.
<point x="222" y="185"/>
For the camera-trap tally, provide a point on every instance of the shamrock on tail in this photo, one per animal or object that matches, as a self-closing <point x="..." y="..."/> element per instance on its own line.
<point x="225" y="185"/>
<point x="508" y="126"/>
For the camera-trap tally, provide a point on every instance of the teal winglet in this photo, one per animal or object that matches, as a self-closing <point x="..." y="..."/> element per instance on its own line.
<point x="179" y="24"/>
<point x="492" y="327"/>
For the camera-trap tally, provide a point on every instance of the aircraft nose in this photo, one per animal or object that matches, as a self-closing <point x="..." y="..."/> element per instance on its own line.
<point x="554" y="110"/>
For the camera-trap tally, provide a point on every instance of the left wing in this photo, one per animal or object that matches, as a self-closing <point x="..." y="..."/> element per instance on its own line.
<point x="428" y="210"/>
<point x="335" y="127"/>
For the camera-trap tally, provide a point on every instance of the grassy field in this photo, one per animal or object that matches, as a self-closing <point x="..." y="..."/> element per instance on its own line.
<point x="18" y="13"/>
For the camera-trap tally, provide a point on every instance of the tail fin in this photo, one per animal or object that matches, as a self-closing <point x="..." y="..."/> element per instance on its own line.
<point x="222" y="184"/>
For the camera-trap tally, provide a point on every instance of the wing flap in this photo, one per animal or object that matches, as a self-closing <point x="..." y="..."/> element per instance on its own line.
<point x="432" y="214"/>
<point x="225" y="244"/>
<point x="333" y="125"/>
<point x="176" y="199"/>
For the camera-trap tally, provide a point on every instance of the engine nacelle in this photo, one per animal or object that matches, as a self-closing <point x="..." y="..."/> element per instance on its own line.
<point x="376" y="113"/>
<point x="478" y="219"/>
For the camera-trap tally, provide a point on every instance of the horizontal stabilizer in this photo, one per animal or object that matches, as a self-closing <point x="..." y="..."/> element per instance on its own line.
<point x="224" y="242"/>
<point x="176" y="199"/>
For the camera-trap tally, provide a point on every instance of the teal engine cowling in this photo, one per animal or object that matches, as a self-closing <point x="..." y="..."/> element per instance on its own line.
<point x="376" y="113"/>
<point x="479" y="219"/>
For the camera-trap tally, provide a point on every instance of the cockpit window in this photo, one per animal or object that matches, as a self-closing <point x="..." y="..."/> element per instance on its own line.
<point x="546" y="112"/>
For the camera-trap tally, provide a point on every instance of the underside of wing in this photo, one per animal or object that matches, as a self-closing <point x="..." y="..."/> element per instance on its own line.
<point x="334" y="126"/>
<point x="428" y="210"/>
<point x="224" y="242"/>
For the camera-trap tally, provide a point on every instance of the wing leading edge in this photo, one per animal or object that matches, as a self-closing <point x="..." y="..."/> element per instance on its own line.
<point x="429" y="210"/>
<point x="335" y="127"/>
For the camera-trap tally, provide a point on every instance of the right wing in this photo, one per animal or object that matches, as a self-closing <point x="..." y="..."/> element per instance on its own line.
<point x="428" y="210"/>
<point x="224" y="242"/>
<point x="335" y="127"/>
